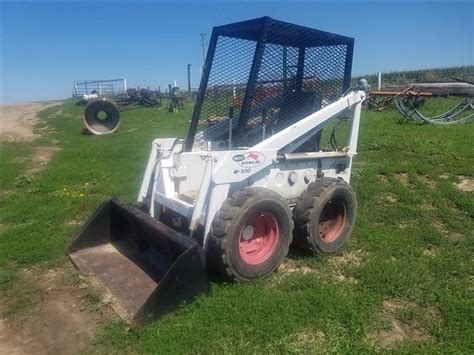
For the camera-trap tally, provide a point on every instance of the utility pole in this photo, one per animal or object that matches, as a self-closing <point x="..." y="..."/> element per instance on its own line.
<point x="189" y="79"/>
<point x="203" y="45"/>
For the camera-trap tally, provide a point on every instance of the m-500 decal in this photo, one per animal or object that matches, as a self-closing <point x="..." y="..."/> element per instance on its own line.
<point x="248" y="161"/>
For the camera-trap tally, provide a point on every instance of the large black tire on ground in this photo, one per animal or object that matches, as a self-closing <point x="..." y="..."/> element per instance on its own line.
<point x="101" y="117"/>
<point x="248" y="214"/>
<point x="325" y="215"/>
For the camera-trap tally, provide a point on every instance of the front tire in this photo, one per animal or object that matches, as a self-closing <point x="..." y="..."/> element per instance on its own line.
<point x="250" y="234"/>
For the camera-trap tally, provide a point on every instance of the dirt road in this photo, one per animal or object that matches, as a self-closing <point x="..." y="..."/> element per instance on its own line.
<point x="17" y="120"/>
<point x="61" y="319"/>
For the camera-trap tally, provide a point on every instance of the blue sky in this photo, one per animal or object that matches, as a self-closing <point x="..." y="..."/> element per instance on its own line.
<point x="47" y="45"/>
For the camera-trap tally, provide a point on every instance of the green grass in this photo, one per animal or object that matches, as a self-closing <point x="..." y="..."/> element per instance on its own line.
<point x="413" y="241"/>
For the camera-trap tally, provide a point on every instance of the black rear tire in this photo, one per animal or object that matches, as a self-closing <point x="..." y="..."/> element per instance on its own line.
<point x="227" y="246"/>
<point x="324" y="216"/>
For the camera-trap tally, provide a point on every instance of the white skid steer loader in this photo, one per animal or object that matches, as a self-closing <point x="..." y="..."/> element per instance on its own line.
<point x="251" y="175"/>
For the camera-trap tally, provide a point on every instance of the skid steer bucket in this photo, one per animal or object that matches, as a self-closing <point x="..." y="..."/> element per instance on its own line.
<point x="149" y="268"/>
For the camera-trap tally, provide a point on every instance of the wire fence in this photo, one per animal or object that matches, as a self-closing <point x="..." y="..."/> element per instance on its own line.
<point x="104" y="88"/>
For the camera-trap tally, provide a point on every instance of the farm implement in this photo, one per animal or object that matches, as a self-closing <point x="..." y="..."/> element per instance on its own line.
<point x="261" y="167"/>
<point x="380" y="100"/>
<point x="408" y="102"/>
<point x="459" y="114"/>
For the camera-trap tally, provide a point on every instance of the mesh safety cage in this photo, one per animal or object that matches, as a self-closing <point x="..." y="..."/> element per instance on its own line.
<point x="262" y="75"/>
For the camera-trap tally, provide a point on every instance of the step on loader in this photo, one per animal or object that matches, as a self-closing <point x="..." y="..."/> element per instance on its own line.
<point x="262" y="166"/>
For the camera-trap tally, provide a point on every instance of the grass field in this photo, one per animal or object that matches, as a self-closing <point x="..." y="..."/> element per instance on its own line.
<point x="404" y="282"/>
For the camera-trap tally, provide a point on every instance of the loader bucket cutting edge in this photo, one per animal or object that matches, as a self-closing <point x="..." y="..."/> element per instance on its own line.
<point x="149" y="268"/>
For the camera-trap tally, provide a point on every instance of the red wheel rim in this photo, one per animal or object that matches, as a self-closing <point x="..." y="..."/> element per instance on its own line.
<point x="258" y="238"/>
<point x="332" y="220"/>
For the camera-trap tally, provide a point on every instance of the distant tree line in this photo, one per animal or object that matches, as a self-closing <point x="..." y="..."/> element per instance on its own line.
<point x="401" y="78"/>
